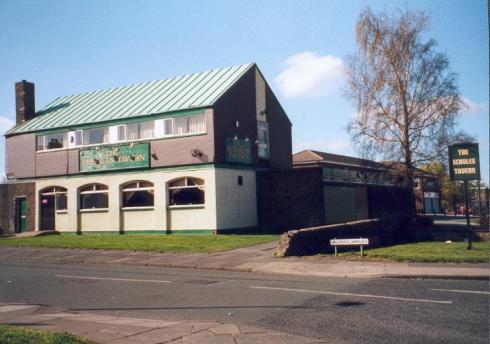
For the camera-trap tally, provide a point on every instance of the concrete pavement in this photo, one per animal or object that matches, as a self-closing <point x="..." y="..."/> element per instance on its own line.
<point x="123" y="330"/>
<point x="253" y="259"/>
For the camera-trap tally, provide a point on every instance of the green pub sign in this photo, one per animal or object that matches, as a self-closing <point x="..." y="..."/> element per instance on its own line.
<point x="464" y="162"/>
<point x="115" y="157"/>
<point x="238" y="150"/>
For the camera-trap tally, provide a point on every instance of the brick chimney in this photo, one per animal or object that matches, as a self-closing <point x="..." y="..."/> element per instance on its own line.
<point x="24" y="101"/>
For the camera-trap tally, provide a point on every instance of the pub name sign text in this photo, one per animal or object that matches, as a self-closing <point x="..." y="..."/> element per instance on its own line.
<point x="114" y="157"/>
<point x="464" y="162"/>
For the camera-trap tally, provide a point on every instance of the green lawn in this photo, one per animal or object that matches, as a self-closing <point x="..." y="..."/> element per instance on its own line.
<point x="19" y="335"/>
<point x="429" y="252"/>
<point x="158" y="243"/>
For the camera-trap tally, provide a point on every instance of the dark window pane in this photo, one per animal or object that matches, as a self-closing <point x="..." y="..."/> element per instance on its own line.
<point x="138" y="199"/>
<point x="186" y="196"/>
<point x="94" y="201"/>
<point x="178" y="182"/>
<point x="61" y="202"/>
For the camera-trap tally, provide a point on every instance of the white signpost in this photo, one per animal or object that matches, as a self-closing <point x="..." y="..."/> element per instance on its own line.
<point x="349" y="242"/>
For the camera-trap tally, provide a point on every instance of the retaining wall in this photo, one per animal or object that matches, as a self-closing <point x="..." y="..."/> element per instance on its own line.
<point x="314" y="240"/>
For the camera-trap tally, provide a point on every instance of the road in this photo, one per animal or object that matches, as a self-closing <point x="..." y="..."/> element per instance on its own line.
<point x="337" y="310"/>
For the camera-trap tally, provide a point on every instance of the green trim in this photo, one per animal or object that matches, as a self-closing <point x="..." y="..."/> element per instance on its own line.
<point x="52" y="131"/>
<point x="146" y="232"/>
<point x="193" y="231"/>
<point x="141" y="170"/>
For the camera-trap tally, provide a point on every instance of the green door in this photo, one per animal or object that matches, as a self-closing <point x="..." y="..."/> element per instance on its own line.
<point x="21" y="211"/>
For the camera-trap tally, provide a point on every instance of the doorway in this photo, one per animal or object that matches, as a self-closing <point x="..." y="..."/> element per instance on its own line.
<point x="47" y="213"/>
<point x="20" y="215"/>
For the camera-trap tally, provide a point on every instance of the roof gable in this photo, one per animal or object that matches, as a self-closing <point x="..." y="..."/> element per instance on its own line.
<point x="186" y="92"/>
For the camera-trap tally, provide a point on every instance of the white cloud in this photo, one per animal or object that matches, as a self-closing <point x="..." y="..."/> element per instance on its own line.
<point x="336" y="146"/>
<point x="472" y="108"/>
<point x="310" y="74"/>
<point x="5" y="124"/>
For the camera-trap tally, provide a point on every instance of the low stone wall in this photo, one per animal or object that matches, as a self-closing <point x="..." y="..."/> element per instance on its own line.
<point x="314" y="240"/>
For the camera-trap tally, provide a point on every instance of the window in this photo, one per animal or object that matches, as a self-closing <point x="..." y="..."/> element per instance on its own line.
<point x="186" y="191"/>
<point x="52" y="141"/>
<point x="263" y="139"/>
<point x="78" y="138"/>
<point x="95" y="136"/>
<point x="168" y="127"/>
<point x="138" y="194"/>
<point x="94" y="196"/>
<point x="60" y="198"/>
<point x="189" y="125"/>
<point x="121" y="132"/>
<point x="136" y="131"/>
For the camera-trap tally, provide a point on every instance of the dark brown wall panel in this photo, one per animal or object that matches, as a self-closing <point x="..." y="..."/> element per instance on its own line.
<point x="52" y="163"/>
<point x="290" y="199"/>
<point x="279" y="132"/>
<point x="237" y="104"/>
<point x="20" y="151"/>
<point x="178" y="150"/>
<point x="73" y="161"/>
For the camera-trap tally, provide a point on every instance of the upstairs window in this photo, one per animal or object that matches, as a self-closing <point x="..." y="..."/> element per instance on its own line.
<point x="138" y="194"/>
<point x="136" y="131"/>
<point x="95" y="136"/>
<point x="186" y="191"/>
<point x="94" y="196"/>
<point x="186" y="125"/>
<point x="168" y="126"/>
<point x="263" y="139"/>
<point x="51" y="141"/>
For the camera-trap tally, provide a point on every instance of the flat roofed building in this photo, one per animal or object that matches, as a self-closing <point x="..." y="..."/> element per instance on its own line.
<point x="177" y="155"/>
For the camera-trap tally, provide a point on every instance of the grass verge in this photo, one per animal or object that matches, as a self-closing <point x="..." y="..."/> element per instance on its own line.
<point x="157" y="243"/>
<point x="432" y="252"/>
<point x="20" y="335"/>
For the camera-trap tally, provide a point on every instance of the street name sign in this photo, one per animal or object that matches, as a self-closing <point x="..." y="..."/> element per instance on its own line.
<point x="349" y="242"/>
<point x="464" y="162"/>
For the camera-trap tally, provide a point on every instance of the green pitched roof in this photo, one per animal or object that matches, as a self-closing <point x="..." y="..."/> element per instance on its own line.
<point x="179" y="93"/>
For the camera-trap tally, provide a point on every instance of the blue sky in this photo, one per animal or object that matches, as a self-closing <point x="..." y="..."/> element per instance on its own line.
<point x="67" y="47"/>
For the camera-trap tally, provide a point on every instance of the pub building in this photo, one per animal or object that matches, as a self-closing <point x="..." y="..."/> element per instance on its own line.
<point x="171" y="156"/>
<point x="203" y="153"/>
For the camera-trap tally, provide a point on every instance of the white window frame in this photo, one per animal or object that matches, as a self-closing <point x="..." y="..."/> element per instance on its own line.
<point x="201" y="187"/>
<point x="106" y="137"/>
<point x="138" y="188"/>
<point x="93" y="191"/>
<point x="64" y="142"/>
<point x="57" y="190"/>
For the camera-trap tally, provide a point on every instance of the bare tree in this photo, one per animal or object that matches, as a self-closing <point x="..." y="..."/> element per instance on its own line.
<point x="406" y="98"/>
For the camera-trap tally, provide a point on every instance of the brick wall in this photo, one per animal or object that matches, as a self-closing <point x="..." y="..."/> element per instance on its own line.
<point x="290" y="199"/>
<point x="8" y="193"/>
<point x="310" y="241"/>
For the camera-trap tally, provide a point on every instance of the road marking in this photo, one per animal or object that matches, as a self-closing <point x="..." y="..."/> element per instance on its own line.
<point x="463" y="291"/>
<point x="113" y="279"/>
<point x="355" y="295"/>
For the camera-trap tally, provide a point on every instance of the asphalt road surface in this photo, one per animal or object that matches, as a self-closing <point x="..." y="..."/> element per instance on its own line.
<point x="338" y="310"/>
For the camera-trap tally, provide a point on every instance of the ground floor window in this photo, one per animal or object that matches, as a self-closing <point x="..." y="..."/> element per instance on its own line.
<point x="186" y="191"/>
<point x="138" y="194"/>
<point x="94" y="196"/>
<point x="60" y="198"/>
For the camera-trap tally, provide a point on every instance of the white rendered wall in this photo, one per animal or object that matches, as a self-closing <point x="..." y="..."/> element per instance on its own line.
<point x="236" y="204"/>
<point x="115" y="219"/>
